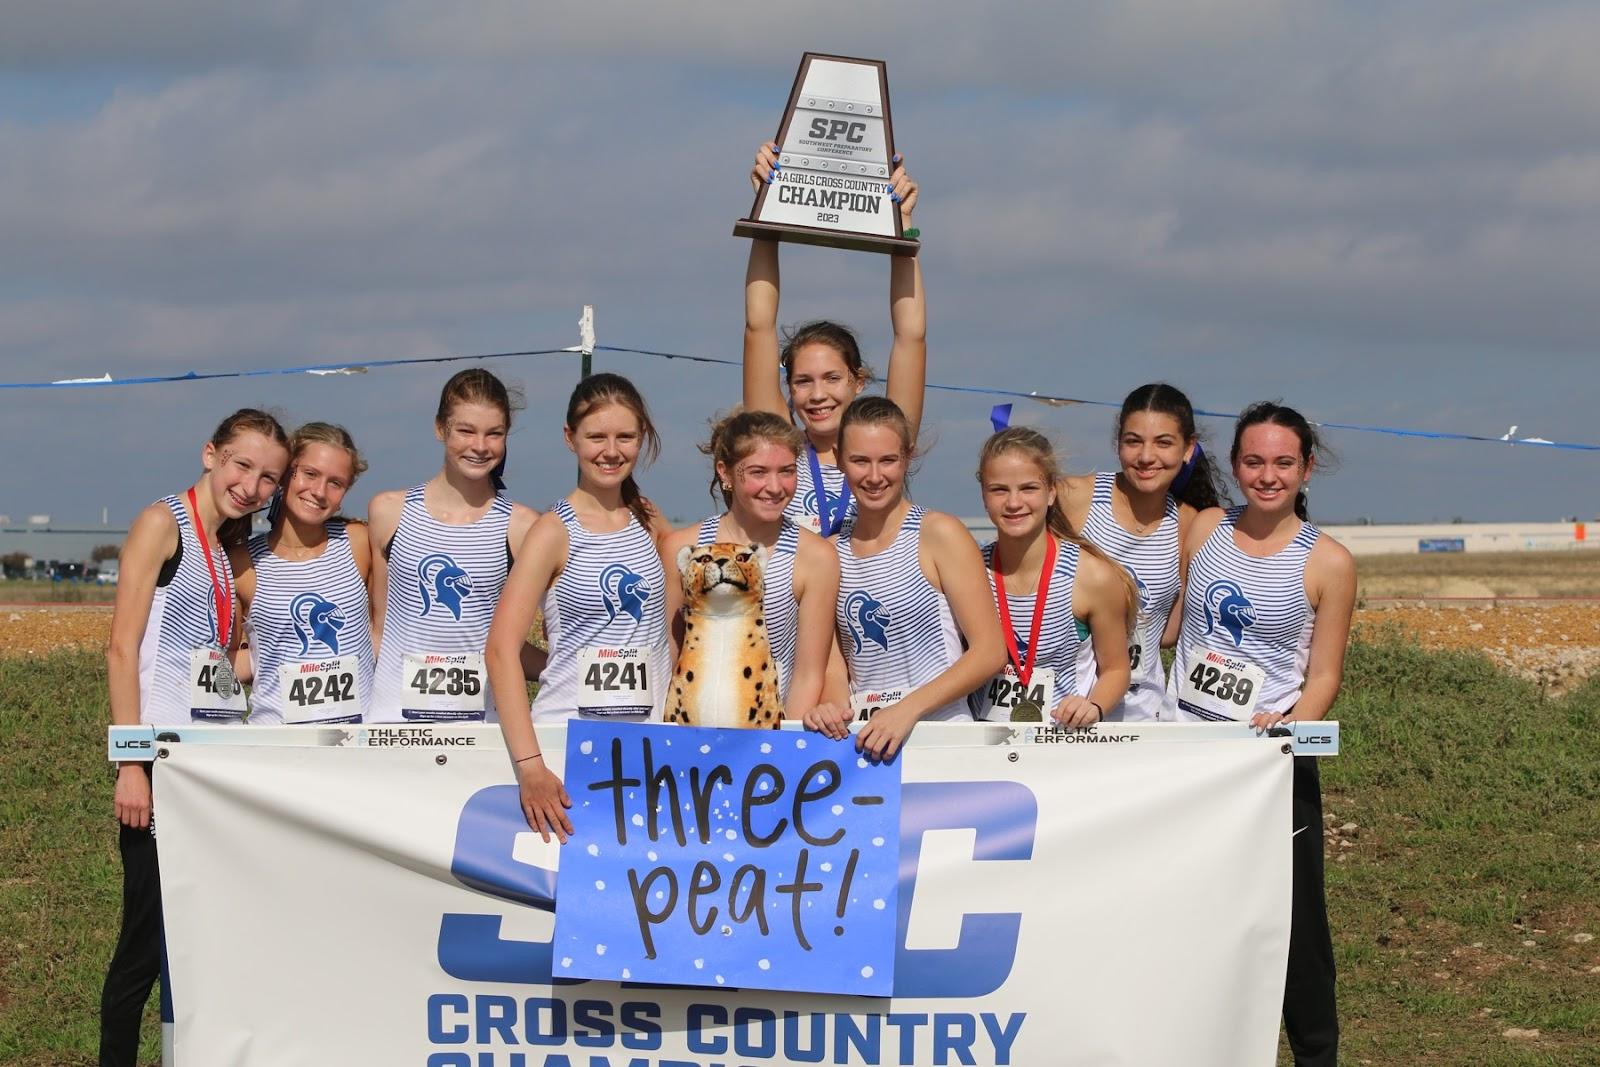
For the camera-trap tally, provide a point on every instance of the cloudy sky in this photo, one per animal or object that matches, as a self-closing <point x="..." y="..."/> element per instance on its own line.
<point x="1381" y="213"/>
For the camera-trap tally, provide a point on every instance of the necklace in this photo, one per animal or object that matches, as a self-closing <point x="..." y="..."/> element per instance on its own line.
<point x="1139" y="528"/>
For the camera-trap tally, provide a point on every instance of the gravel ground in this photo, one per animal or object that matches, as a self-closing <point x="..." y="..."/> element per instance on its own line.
<point x="1558" y="643"/>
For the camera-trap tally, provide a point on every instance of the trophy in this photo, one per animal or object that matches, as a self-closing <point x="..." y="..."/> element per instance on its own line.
<point x="836" y="145"/>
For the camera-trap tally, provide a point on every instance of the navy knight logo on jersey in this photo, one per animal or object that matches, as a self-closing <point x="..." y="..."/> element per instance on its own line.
<point x="1228" y="607"/>
<point x="441" y="581"/>
<point x="624" y="592"/>
<point x="808" y="503"/>
<point x="869" y="620"/>
<point x="318" y="619"/>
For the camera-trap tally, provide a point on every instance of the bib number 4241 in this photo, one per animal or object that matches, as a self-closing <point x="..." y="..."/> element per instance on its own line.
<point x="614" y="677"/>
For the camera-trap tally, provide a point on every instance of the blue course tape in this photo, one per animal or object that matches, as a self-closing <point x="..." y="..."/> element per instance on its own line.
<point x="269" y="372"/>
<point x="1042" y="398"/>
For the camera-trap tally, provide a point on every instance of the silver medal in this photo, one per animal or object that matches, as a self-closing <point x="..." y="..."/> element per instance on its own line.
<point x="222" y="681"/>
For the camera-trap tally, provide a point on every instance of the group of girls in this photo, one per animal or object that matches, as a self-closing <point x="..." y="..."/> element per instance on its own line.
<point x="878" y="610"/>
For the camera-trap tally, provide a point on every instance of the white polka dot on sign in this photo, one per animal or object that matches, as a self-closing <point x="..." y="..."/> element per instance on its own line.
<point x="593" y="850"/>
<point x="599" y="950"/>
<point x="721" y="980"/>
<point x="566" y="961"/>
<point x="765" y="965"/>
<point x="866" y="972"/>
<point x="637" y="820"/>
<point x="626" y="974"/>
<point x="600" y="885"/>
<point x="699" y="965"/>
<point x="826" y="866"/>
<point x="765" y="748"/>
<point x="586" y="747"/>
<point x="705" y="749"/>
<point x="799" y="742"/>
<point x="879" y="904"/>
<point x="878" y="841"/>
<point x="837" y="809"/>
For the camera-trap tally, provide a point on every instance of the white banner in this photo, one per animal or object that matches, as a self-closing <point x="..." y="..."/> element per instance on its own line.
<point x="1061" y="904"/>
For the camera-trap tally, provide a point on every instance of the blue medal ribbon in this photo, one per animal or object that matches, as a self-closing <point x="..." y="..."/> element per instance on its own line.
<point x="830" y="513"/>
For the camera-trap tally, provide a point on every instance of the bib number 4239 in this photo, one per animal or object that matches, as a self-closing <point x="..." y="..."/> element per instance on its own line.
<point x="1219" y="686"/>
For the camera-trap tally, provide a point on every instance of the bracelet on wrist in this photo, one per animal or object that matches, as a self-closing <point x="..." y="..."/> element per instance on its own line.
<point x="1100" y="712"/>
<point x="525" y="759"/>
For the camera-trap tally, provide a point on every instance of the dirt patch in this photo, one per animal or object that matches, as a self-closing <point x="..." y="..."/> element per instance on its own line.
<point x="1557" y="645"/>
<point x="41" y="631"/>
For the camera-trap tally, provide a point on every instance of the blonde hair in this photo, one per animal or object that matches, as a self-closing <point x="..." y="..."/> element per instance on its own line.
<point x="326" y="433"/>
<point x="739" y="433"/>
<point x="1036" y="448"/>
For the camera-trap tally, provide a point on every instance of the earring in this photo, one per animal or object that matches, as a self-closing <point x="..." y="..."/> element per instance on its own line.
<point x="727" y="487"/>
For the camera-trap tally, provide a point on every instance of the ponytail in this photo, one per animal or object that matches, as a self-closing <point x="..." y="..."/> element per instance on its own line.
<point x="1201" y="483"/>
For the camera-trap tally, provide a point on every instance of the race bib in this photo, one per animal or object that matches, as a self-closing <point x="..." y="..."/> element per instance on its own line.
<point x="866" y="705"/>
<point x="614" y="680"/>
<point x="1005" y="690"/>
<point x="1220" y="686"/>
<point x="214" y="696"/>
<point x="442" y="686"/>
<point x="323" y="691"/>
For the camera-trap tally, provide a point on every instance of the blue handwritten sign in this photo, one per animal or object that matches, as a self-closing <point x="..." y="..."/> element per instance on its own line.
<point x="756" y="859"/>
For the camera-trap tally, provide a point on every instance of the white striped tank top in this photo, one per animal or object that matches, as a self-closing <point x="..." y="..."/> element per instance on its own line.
<point x="894" y="627"/>
<point x="1153" y="561"/>
<point x="307" y="611"/>
<point x="1252" y="608"/>
<point x="183" y="617"/>
<point x="1059" y="635"/>
<point x="781" y="611"/>
<point x="611" y="593"/>
<point x="805" y="507"/>
<point x="444" y="583"/>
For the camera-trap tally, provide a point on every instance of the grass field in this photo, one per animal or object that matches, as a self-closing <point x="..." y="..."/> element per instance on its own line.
<point x="1480" y="574"/>
<point x="1463" y="874"/>
<point x="35" y="592"/>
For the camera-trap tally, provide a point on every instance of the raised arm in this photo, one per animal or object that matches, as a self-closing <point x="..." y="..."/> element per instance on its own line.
<point x="908" y="314"/>
<point x="763" y="390"/>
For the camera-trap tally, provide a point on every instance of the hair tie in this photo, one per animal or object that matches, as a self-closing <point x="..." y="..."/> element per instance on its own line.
<point x="1000" y="417"/>
<point x="275" y="508"/>
<point x="1186" y="472"/>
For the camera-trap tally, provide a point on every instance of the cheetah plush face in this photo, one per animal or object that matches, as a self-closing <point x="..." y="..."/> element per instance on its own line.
<point x="723" y="578"/>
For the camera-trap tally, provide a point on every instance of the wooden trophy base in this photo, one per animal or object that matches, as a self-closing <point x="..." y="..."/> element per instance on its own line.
<point x="816" y="235"/>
